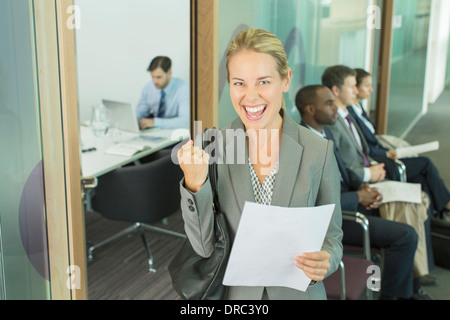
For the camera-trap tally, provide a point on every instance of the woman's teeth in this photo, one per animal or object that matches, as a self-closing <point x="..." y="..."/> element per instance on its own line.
<point x="254" y="109"/>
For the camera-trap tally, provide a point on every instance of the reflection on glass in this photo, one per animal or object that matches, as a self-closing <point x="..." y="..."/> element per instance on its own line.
<point x="115" y="43"/>
<point x="316" y="35"/>
<point x="375" y="61"/>
<point x="447" y="82"/>
<point x="2" y="275"/>
<point x="409" y="55"/>
<point x="22" y="208"/>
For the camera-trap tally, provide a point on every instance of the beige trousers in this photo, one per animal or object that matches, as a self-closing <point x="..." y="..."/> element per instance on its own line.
<point x="414" y="215"/>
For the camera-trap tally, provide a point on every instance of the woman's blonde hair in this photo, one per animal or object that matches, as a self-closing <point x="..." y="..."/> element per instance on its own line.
<point x="261" y="41"/>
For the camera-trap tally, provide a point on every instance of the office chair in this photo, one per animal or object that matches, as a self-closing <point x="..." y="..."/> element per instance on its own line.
<point x="401" y="170"/>
<point x="142" y="195"/>
<point x="350" y="280"/>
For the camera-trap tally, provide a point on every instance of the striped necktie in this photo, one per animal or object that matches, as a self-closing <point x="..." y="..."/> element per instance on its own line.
<point x="350" y="123"/>
<point x="162" y="105"/>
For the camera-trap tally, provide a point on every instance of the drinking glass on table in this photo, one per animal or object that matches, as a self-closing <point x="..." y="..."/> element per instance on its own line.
<point x="115" y="133"/>
<point x="100" y="120"/>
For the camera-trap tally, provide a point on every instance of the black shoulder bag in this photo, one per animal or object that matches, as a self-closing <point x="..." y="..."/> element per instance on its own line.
<point x="198" y="278"/>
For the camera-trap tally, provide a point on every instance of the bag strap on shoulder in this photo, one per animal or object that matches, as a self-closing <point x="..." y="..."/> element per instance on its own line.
<point x="210" y="138"/>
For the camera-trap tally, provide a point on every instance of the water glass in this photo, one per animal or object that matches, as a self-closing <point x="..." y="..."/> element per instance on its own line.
<point x="100" y="120"/>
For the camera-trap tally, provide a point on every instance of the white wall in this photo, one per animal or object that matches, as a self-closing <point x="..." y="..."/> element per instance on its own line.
<point x="439" y="37"/>
<point x="116" y="41"/>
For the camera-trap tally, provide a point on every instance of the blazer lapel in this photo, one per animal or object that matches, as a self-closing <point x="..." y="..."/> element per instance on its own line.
<point x="290" y="158"/>
<point x="347" y="131"/>
<point x="239" y="168"/>
<point x="341" y="164"/>
<point x="357" y="130"/>
<point x="364" y="143"/>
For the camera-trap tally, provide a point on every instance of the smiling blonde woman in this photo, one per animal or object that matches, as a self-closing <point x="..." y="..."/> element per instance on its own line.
<point x="297" y="169"/>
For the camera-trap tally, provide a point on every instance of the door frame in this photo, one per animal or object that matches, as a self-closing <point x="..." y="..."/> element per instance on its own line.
<point x="204" y="63"/>
<point x="55" y="53"/>
<point x="384" y="66"/>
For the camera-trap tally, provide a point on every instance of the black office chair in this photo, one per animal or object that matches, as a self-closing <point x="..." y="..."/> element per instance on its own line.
<point x="349" y="282"/>
<point x="401" y="170"/>
<point x="143" y="195"/>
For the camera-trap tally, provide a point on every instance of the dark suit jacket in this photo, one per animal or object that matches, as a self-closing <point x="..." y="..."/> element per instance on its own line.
<point x="350" y="182"/>
<point x="348" y="147"/>
<point x="349" y="150"/>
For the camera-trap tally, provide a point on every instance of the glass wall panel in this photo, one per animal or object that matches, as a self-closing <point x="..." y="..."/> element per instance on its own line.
<point x="24" y="235"/>
<point x="316" y="34"/>
<point x="377" y="11"/>
<point x="2" y="276"/>
<point x="135" y="32"/>
<point x="409" y="55"/>
<point x="447" y="82"/>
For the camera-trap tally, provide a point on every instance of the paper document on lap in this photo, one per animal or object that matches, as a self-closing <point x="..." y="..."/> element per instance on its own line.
<point x="394" y="191"/>
<point x="267" y="241"/>
<point x="407" y="152"/>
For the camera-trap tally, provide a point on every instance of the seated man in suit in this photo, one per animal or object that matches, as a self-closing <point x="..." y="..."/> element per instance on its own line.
<point x="399" y="241"/>
<point x="419" y="169"/>
<point x="355" y="150"/>
<point x="164" y="101"/>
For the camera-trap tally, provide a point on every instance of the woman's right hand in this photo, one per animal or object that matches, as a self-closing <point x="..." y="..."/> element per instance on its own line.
<point x="194" y="163"/>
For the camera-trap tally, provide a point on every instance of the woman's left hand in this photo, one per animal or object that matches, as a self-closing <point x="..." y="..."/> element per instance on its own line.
<point x="315" y="265"/>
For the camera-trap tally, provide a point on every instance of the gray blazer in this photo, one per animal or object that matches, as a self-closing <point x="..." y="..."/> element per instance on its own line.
<point x="308" y="176"/>
<point x="348" y="147"/>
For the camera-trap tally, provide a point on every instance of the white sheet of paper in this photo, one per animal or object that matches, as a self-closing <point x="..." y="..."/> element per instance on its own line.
<point x="393" y="191"/>
<point x="413" y="150"/>
<point x="267" y="241"/>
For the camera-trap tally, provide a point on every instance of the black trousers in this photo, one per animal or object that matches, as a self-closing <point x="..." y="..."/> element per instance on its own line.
<point x="399" y="242"/>
<point x="422" y="170"/>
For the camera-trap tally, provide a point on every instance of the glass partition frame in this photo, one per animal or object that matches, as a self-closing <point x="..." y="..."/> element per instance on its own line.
<point x="408" y="64"/>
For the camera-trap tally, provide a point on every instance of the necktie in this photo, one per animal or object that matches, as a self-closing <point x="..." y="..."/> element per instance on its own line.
<point x="162" y="105"/>
<point x="350" y="123"/>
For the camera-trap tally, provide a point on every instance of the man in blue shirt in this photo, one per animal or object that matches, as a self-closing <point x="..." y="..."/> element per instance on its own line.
<point x="164" y="101"/>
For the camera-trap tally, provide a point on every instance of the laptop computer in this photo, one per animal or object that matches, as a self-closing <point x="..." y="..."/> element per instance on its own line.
<point x="122" y="115"/>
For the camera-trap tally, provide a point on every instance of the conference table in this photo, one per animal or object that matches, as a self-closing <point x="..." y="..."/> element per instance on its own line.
<point x="95" y="161"/>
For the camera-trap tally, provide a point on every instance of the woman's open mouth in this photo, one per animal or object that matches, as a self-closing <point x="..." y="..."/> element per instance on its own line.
<point x="255" y="113"/>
